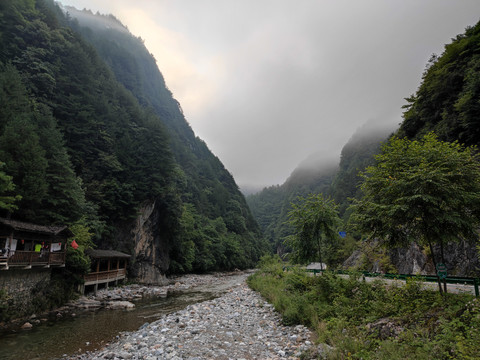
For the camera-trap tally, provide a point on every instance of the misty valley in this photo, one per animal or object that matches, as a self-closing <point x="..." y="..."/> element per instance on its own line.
<point x="109" y="201"/>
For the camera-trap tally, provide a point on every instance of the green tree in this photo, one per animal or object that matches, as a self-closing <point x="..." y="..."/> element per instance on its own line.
<point x="316" y="221"/>
<point x="7" y="200"/>
<point x="34" y="152"/>
<point x="425" y="190"/>
<point x="77" y="262"/>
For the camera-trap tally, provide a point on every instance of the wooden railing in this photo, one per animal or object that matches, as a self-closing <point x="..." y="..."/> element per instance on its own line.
<point x="105" y="276"/>
<point x="33" y="258"/>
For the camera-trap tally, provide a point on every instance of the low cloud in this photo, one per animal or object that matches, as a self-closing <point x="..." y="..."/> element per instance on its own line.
<point x="267" y="83"/>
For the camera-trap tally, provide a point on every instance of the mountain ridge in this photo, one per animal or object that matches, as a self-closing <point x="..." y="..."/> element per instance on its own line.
<point x="129" y="146"/>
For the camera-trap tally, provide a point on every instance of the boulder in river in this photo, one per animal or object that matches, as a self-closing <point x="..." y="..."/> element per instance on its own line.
<point x="115" y="305"/>
<point x="27" y="326"/>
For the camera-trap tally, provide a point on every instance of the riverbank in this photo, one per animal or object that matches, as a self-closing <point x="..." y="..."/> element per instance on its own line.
<point x="121" y="297"/>
<point x="125" y="296"/>
<point x="236" y="325"/>
<point x="372" y="320"/>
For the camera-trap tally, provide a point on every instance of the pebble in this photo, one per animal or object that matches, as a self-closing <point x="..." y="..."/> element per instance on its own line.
<point x="237" y="325"/>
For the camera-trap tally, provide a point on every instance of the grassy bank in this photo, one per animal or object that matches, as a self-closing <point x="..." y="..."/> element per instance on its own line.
<point x="370" y="321"/>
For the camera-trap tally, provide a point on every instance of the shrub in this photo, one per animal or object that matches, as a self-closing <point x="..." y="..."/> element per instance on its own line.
<point x="346" y="312"/>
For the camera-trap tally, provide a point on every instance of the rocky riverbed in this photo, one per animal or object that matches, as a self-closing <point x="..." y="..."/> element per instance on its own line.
<point x="122" y="297"/>
<point x="236" y="325"/>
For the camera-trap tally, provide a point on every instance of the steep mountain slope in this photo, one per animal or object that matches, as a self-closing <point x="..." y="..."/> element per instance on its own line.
<point x="101" y="125"/>
<point x="447" y="100"/>
<point x="356" y="155"/>
<point x="448" y="103"/>
<point x="107" y="145"/>
<point x="206" y="184"/>
<point x="271" y="206"/>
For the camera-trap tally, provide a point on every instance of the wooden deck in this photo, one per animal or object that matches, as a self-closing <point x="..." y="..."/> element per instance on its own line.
<point x="102" y="277"/>
<point x="29" y="259"/>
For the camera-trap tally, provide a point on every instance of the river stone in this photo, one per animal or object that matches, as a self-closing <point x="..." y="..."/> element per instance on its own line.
<point x="115" y="305"/>
<point x="27" y="326"/>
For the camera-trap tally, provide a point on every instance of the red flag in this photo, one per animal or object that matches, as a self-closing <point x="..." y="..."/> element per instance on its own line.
<point x="74" y="244"/>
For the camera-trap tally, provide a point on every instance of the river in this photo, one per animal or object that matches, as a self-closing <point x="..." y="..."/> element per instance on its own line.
<point x="91" y="330"/>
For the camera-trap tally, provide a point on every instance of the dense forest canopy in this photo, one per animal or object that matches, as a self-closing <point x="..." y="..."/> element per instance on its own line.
<point x="89" y="131"/>
<point x="447" y="101"/>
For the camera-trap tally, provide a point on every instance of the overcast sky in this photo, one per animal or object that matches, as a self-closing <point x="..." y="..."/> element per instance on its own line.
<point x="266" y="83"/>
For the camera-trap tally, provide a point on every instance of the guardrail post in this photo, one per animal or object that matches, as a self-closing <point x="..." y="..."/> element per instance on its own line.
<point x="475" y="284"/>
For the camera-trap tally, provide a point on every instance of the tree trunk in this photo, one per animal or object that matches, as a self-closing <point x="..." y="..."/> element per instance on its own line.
<point x="319" y="252"/>
<point x="435" y="265"/>
<point x="443" y="261"/>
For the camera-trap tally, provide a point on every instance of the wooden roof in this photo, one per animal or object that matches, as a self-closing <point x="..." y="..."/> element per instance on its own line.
<point x="106" y="254"/>
<point x="33" y="228"/>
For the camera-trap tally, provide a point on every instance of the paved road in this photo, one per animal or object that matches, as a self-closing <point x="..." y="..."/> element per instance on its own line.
<point x="452" y="288"/>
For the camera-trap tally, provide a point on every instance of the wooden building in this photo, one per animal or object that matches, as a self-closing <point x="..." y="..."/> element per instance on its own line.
<point x="108" y="267"/>
<point x="25" y="245"/>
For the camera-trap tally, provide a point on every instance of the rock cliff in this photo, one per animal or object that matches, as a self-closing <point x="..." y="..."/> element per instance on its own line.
<point x="143" y="239"/>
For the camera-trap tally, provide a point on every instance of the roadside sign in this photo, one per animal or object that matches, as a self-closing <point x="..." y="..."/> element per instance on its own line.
<point x="442" y="271"/>
<point x="342" y="234"/>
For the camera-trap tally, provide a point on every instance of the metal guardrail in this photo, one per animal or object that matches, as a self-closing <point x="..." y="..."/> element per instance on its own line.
<point x="475" y="282"/>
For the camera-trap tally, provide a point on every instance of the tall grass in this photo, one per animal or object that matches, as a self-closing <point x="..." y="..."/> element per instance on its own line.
<point x="371" y="320"/>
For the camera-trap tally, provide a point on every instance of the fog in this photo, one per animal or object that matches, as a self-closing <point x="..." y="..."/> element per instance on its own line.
<point x="267" y="83"/>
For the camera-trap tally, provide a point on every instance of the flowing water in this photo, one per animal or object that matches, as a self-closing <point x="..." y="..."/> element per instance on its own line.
<point x="92" y="330"/>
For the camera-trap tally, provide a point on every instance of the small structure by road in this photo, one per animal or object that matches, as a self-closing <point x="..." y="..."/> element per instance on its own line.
<point x="316" y="266"/>
<point x="108" y="267"/>
<point x="25" y="245"/>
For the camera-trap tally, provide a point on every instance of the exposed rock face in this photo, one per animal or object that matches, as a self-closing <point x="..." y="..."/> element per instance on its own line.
<point x="151" y="258"/>
<point x="411" y="260"/>
<point x="461" y="260"/>
<point x="143" y="240"/>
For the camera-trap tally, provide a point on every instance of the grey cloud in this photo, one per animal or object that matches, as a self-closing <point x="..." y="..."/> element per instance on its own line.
<point x="300" y="77"/>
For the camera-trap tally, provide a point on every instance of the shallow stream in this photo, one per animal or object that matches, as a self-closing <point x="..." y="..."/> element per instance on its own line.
<point x="91" y="330"/>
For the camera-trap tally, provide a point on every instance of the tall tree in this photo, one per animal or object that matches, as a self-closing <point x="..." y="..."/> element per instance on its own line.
<point x="425" y="190"/>
<point x="7" y="199"/>
<point x="34" y="151"/>
<point x="316" y="222"/>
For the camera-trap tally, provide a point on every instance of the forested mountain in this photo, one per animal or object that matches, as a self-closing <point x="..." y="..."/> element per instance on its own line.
<point x="340" y="182"/>
<point x="91" y="134"/>
<point x="271" y="206"/>
<point x="447" y="101"/>
<point x="208" y="187"/>
<point x="356" y="155"/>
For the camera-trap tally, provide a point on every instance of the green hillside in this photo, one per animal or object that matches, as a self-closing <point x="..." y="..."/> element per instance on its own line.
<point x="447" y="101"/>
<point x="89" y="132"/>
<point x="271" y="206"/>
<point x="340" y="182"/>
